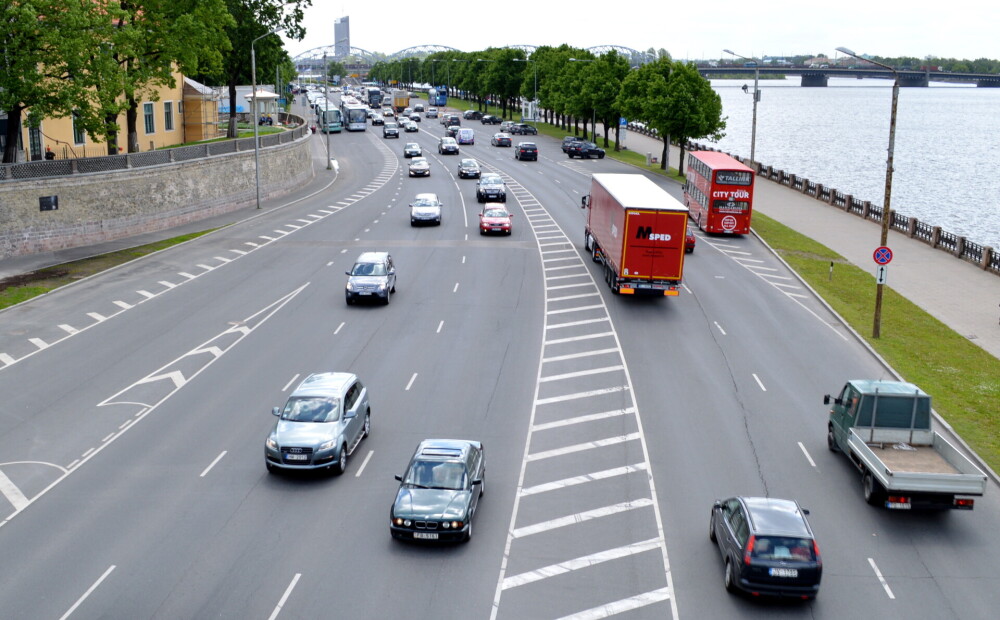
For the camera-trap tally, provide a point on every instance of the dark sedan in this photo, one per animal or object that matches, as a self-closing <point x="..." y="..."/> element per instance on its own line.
<point x="468" y="169"/>
<point x="439" y="493"/>
<point x="584" y="149"/>
<point x="501" y="139"/>
<point x="523" y="129"/>
<point x="472" y="115"/>
<point x="489" y="119"/>
<point x="526" y="150"/>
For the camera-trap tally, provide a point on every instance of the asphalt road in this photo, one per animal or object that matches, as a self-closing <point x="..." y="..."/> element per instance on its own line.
<point x="137" y="403"/>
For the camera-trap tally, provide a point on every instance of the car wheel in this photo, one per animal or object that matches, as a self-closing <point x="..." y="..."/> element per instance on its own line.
<point x="388" y="295"/>
<point x="711" y="528"/>
<point x="368" y="423"/>
<point x="482" y="233"/>
<point x="831" y="442"/>
<point x="468" y="533"/>
<point x="350" y="301"/>
<point x="874" y="493"/>
<point x="271" y="469"/>
<point x="601" y="156"/>
<point x="341" y="465"/>
<point x="730" y="579"/>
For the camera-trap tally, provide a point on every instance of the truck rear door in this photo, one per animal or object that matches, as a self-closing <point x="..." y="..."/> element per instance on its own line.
<point x="654" y="245"/>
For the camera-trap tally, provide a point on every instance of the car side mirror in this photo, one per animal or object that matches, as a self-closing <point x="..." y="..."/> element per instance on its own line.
<point x="718" y="504"/>
<point x="398" y="477"/>
<point x="477" y="481"/>
<point x="826" y="399"/>
<point x="275" y="411"/>
<point x="347" y="273"/>
<point x="392" y="272"/>
<point x="350" y="414"/>
<point x="805" y="511"/>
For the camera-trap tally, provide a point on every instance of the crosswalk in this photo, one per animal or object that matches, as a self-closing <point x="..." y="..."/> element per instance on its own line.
<point x="586" y="536"/>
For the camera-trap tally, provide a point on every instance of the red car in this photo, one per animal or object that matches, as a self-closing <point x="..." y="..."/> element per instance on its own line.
<point x="689" y="241"/>
<point x="494" y="218"/>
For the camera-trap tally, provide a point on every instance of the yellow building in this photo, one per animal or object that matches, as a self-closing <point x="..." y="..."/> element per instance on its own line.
<point x="188" y="112"/>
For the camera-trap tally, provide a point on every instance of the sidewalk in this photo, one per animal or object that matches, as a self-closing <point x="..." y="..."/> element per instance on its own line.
<point x="958" y="294"/>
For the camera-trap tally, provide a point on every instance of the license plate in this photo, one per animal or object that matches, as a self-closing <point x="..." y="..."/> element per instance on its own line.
<point x="496" y="228"/>
<point x="783" y="572"/>
<point x="364" y="292"/>
<point x="898" y="505"/>
<point x="297" y="457"/>
<point x="425" y="536"/>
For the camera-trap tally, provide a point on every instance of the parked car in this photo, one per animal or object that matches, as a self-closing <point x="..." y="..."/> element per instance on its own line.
<point x="489" y="119"/>
<point x="412" y="149"/>
<point x="569" y="140"/>
<point x="372" y="276"/>
<point x="767" y="546"/>
<point x="466" y="135"/>
<point x="390" y="130"/>
<point x="491" y="188"/>
<point x="494" y="218"/>
<point x="689" y="241"/>
<point x="431" y="113"/>
<point x="439" y="493"/>
<point x="583" y="149"/>
<point x="526" y="150"/>
<point x="523" y="129"/>
<point x="321" y="424"/>
<point x="501" y="139"/>
<point x="425" y="209"/>
<point x="419" y="167"/>
<point x="447" y="146"/>
<point x="468" y="169"/>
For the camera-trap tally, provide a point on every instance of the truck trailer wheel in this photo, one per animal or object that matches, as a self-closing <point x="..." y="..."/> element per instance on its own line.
<point x="874" y="493"/>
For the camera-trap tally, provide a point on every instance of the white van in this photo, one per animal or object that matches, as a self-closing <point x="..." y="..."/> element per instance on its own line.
<point x="466" y="136"/>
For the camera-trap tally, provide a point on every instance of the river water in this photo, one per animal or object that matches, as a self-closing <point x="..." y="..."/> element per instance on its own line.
<point x="947" y="154"/>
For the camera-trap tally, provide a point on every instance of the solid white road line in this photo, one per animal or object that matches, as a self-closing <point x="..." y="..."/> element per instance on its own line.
<point x="284" y="597"/>
<point x="617" y="607"/>
<point x="87" y="593"/>
<point x="578" y="395"/>
<point x="579" y="338"/>
<point x="573" y="356"/>
<point x="578" y="563"/>
<point x="575" y="480"/>
<point x="757" y="379"/>
<point x="212" y="464"/>
<point x="364" y="463"/>
<point x="580" y="447"/>
<point x="13" y="494"/>
<point x="290" y="382"/>
<point x="580" y="517"/>
<point x="590" y="417"/>
<point x="577" y="323"/>
<point x="806" y="452"/>
<point x="881" y="579"/>
<point x="581" y="373"/>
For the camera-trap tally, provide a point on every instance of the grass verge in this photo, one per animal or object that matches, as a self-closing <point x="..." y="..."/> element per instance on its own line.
<point x="963" y="379"/>
<point x="20" y="288"/>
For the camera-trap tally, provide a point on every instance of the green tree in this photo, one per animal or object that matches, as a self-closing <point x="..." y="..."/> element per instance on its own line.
<point x="602" y="86"/>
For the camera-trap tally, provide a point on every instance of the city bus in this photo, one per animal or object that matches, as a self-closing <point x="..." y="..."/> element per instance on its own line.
<point x="330" y="120"/>
<point x="719" y="193"/>
<point x="356" y="116"/>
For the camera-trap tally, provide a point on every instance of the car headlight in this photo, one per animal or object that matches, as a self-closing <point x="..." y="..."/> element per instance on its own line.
<point x="327" y="445"/>
<point x="399" y="521"/>
<point x="382" y="285"/>
<point x="271" y="443"/>
<point x="350" y="285"/>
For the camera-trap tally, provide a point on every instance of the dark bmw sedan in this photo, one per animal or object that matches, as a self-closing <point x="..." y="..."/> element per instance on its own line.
<point x="767" y="546"/>
<point x="439" y="493"/>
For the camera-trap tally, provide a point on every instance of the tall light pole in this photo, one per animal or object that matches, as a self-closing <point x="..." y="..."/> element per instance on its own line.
<point x="756" y="98"/>
<point x="253" y="93"/>
<point x="884" y="239"/>
<point x="326" y="113"/>
<point x="534" y="102"/>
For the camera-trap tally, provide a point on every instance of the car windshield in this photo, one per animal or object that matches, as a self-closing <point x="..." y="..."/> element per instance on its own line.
<point x="490" y="179"/>
<point x="495" y="213"/>
<point x="425" y="202"/>
<point x="433" y="475"/>
<point x="299" y="409"/>
<point x="418" y="161"/>
<point x="412" y="145"/>
<point x="783" y="548"/>
<point x="368" y="269"/>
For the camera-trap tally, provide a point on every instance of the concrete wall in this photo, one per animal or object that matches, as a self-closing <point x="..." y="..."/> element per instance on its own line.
<point x="99" y="207"/>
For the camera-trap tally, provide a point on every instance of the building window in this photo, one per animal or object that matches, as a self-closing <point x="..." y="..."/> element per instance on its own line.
<point x="147" y="111"/>
<point x="79" y="136"/>
<point x="168" y="115"/>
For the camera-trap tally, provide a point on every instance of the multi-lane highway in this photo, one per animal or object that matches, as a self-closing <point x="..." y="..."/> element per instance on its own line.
<point x="136" y="404"/>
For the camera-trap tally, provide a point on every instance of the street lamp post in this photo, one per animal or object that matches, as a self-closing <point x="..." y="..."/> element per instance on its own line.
<point x="253" y="93"/>
<point x="326" y="114"/>
<point x="884" y="239"/>
<point x="756" y="98"/>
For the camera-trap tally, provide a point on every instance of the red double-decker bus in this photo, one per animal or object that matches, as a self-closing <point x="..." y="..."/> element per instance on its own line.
<point x="719" y="193"/>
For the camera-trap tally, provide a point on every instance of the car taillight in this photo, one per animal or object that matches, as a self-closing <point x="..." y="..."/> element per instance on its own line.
<point x="746" y="554"/>
<point x="819" y="560"/>
<point x="964" y="503"/>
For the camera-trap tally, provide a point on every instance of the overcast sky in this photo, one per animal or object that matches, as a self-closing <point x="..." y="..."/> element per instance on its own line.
<point x="695" y="30"/>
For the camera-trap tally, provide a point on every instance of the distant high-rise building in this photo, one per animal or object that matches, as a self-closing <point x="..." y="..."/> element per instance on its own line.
<point x="342" y="37"/>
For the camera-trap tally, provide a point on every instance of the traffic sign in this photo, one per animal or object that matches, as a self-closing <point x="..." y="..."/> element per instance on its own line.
<point x="882" y="255"/>
<point x="622" y="122"/>
<point x="880" y="274"/>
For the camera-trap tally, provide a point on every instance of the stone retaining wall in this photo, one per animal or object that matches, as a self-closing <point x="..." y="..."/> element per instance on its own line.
<point x="104" y="206"/>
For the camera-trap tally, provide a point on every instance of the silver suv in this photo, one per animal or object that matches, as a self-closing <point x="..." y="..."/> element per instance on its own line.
<point x="324" y="420"/>
<point x="373" y="275"/>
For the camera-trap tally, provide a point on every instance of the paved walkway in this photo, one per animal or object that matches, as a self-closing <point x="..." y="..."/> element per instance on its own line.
<point x="957" y="293"/>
